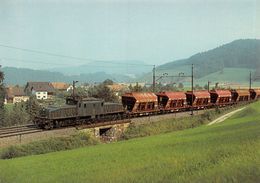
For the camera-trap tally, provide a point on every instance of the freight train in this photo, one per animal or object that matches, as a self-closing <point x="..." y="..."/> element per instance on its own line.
<point x="80" y="110"/>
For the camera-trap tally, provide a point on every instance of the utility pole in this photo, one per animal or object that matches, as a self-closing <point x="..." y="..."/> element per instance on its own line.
<point x="208" y="85"/>
<point x="192" y="88"/>
<point x="73" y="89"/>
<point x="250" y="80"/>
<point x="153" y="78"/>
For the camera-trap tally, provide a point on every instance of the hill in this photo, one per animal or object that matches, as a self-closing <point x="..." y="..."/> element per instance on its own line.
<point x="22" y="75"/>
<point x="222" y="62"/>
<point x="225" y="152"/>
<point x="237" y="54"/>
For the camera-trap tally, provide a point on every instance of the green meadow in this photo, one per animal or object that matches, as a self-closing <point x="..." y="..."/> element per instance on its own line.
<point x="9" y="106"/>
<point x="224" y="152"/>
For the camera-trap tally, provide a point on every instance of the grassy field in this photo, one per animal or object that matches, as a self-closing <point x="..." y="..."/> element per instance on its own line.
<point x="225" y="152"/>
<point x="237" y="75"/>
<point x="9" y="106"/>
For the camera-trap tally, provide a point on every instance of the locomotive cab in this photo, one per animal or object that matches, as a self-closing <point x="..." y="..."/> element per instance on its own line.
<point x="91" y="107"/>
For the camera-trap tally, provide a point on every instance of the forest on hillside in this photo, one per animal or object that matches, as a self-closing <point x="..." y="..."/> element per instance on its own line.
<point x="237" y="54"/>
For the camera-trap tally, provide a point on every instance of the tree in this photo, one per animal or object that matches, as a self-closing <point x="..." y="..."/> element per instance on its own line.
<point x="205" y="86"/>
<point x="2" y="97"/>
<point x="81" y="91"/>
<point x="180" y="86"/>
<point x="198" y="87"/>
<point x="130" y="87"/>
<point x="137" y="88"/>
<point x="32" y="107"/>
<point x="108" y="82"/>
<point x="103" y="92"/>
<point x="17" y="116"/>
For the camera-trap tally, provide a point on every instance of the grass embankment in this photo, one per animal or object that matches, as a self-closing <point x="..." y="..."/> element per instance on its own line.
<point x="49" y="145"/>
<point x="224" y="152"/>
<point x="9" y="106"/>
<point x="175" y="124"/>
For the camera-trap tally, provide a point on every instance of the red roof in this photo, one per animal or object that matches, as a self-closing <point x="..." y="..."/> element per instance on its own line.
<point x="142" y="97"/>
<point x="172" y="95"/>
<point x="60" y="85"/>
<point x="199" y="94"/>
<point x="222" y="93"/>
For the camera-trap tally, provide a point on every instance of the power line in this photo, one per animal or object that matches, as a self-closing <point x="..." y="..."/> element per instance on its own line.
<point x="68" y="57"/>
<point x="30" y="61"/>
<point x="60" y="64"/>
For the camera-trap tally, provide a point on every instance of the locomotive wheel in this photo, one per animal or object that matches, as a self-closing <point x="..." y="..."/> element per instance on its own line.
<point x="49" y="126"/>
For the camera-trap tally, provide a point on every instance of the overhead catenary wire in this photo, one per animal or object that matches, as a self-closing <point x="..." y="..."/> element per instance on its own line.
<point x="60" y="64"/>
<point x="77" y="58"/>
<point x="69" y="57"/>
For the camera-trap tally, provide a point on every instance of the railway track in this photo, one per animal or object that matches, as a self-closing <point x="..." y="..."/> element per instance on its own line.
<point x="18" y="130"/>
<point x="31" y="128"/>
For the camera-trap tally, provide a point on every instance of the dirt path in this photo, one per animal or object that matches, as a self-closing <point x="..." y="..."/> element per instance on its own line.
<point x="224" y="117"/>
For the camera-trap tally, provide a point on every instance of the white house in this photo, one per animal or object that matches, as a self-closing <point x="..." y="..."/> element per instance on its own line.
<point x="42" y="90"/>
<point x="40" y="94"/>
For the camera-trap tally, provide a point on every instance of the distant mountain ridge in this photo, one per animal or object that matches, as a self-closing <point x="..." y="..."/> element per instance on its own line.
<point x="20" y="76"/>
<point x="243" y="53"/>
<point x="129" y="67"/>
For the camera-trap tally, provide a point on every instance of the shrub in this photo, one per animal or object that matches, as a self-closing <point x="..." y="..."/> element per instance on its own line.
<point x="51" y="145"/>
<point x="171" y="124"/>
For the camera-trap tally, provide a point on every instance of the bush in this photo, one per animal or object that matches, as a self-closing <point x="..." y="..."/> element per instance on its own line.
<point x="50" y="145"/>
<point x="16" y="115"/>
<point x="171" y="124"/>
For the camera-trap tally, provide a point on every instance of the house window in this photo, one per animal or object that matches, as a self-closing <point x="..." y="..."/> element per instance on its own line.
<point x="85" y="105"/>
<point x="79" y="105"/>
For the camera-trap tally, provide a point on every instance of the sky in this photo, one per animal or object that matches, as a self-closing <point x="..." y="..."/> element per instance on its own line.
<point x="122" y="31"/>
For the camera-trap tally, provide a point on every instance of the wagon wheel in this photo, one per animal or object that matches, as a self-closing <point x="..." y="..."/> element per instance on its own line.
<point x="57" y="124"/>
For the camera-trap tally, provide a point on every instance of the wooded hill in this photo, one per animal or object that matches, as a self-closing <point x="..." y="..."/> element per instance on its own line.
<point x="237" y="54"/>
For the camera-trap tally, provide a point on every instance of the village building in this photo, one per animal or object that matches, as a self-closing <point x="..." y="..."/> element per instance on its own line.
<point x="134" y="84"/>
<point x="70" y="88"/>
<point x="60" y="86"/>
<point x="117" y="88"/>
<point x="15" y="94"/>
<point x="42" y="90"/>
